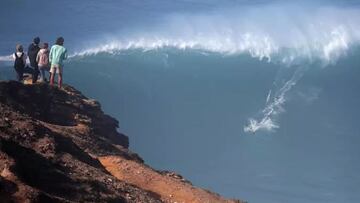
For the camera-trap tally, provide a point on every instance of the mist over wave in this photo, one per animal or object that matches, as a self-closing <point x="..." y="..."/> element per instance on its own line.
<point x="279" y="33"/>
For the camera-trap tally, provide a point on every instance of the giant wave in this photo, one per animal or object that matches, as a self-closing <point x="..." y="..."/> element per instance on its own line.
<point x="287" y="35"/>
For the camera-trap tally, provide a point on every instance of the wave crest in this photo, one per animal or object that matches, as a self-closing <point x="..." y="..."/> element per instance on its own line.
<point x="329" y="50"/>
<point x="278" y="33"/>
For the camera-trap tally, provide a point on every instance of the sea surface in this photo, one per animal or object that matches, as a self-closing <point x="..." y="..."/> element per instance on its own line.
<point x="256" y="100"/>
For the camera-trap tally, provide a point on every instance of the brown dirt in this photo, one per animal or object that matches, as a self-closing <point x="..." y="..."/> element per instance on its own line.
<point x="171" y="187"/>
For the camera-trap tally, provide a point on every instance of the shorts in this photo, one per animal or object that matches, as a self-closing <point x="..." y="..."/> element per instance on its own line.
<point x="56" y="69"/>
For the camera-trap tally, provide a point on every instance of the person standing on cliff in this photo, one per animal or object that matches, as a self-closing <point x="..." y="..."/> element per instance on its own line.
<point x="32" y="52"/>
<point x="58" y="54"/>
<point x="43" y="61"/>
<point x="19" y="61"/>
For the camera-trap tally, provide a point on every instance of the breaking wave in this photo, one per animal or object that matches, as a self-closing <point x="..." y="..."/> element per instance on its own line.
<point x="282" y="34"/>
<point x="337" y="43"/>
<point x="5" y="58"/>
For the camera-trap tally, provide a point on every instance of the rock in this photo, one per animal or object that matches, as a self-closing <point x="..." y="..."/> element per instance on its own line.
<point x="6" y="172"/>
<point x="53" y="144"/>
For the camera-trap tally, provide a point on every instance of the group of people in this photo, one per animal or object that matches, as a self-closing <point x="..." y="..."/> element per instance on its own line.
<point x="41" y="60"/>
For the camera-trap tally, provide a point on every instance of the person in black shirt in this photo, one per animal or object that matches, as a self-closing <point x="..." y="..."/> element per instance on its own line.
<point x="19" y="61"/>
<point x="32" y="53"/>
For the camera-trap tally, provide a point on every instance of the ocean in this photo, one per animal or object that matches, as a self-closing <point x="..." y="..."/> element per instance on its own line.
<point x="256" y="100"/>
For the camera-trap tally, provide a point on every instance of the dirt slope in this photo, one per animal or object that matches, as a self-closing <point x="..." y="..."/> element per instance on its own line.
<point x="170" y="186"/>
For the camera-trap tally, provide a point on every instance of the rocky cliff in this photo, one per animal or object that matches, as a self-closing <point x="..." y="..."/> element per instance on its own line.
<point x="58" y="146"/>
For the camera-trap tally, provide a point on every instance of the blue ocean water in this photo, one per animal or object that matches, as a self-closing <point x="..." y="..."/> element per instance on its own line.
<point x="256" y="100"/>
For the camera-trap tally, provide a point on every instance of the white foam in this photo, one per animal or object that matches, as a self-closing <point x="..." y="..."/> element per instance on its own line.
<point x="280" y="33"/>
<point x="265" y="124"/>
<point x="6" y="58"/>
<point x="256" y="46"/>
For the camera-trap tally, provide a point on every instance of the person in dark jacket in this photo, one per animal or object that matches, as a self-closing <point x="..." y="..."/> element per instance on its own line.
<point x="19" y="61"/>
<point x="32" y="53"/>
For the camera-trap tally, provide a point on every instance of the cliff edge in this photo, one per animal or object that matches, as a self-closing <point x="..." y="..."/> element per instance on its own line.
<point x="58" y="146"/>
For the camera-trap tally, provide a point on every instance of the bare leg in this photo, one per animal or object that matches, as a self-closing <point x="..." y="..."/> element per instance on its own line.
<point x="60" y="79"/>
<point x="52" y="75"/>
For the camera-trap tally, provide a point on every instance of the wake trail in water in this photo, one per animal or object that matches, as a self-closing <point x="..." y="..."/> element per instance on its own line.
<point x="267" y="120"/>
